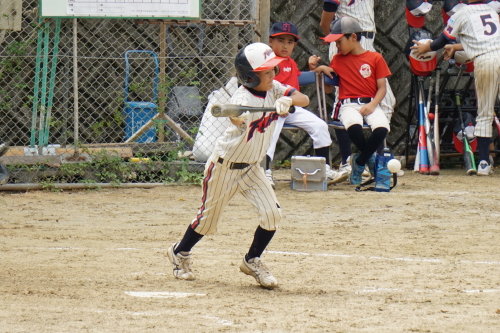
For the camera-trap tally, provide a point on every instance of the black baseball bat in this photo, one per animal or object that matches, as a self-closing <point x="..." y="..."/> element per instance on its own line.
<point x="470" y="166"/>
<point x="234" y="110"/>
<point x="437" y="134"/>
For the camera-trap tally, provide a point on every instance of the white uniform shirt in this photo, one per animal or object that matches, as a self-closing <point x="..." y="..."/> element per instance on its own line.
<point x="477" y="27"/>
<point x="360" y="10"/>
<point x="248" y="143"/>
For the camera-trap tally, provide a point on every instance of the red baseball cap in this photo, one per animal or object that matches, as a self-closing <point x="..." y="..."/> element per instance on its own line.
<point x="416" y="11"/>
<point x="424" y="63"/>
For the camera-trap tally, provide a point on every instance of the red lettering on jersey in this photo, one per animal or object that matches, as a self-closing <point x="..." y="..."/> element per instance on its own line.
<point x="351" y="2"/>
<point x="261" y="124"/>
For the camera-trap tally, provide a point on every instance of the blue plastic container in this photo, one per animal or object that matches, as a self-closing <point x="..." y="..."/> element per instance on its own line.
<point x="139" y="113"/>
<point x="136" y="115"/>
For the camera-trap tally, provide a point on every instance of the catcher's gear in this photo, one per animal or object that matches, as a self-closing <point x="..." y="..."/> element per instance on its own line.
<point x="282" y="105"/>
<point x="254" y="58"/>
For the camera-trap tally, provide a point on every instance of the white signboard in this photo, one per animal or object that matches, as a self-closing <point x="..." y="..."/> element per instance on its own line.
<point x="144" y="9"/>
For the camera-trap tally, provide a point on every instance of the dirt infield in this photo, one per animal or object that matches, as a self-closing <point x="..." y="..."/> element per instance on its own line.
<point x="422" y="258"/>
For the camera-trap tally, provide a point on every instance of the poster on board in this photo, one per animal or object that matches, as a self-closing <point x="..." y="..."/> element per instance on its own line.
<point x="136" y="9"/>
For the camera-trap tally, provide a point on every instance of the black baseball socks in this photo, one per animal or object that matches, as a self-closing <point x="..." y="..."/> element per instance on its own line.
<point x="261" y="239"/>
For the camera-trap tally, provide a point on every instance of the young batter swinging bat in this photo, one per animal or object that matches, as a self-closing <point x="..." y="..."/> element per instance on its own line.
<point x="234" y="110"/>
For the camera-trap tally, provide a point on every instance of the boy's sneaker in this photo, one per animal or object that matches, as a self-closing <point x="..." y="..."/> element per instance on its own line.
<point x="346" y="167"/>
<point x="333" y="176"/>
<point x="256" y="268"/>
<point x="181" y="263"/>
<point x="356" y="176"/>
<point x="371" y="165"/>
<point x="484" y="169"/>
<point x="269" y="176"/>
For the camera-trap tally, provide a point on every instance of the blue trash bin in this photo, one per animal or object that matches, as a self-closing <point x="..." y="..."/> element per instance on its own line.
<point x="136" y="115"/>
<point x="139" y="113"/>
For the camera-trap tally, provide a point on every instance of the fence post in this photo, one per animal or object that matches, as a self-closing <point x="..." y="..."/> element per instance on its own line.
<point x="264" y="20"/>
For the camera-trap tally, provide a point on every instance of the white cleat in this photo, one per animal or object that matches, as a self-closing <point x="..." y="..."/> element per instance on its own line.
<point x="256" y="268"/>
<point x="181" y="263"/>
<point x="346" y="166"/>
<point x="484" y="169"/>
<point x="269" y="176"/>
<point x="333" y="176"/>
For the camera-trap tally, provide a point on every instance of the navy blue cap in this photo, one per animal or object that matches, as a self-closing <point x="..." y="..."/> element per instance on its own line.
<point x="284" y="28"/>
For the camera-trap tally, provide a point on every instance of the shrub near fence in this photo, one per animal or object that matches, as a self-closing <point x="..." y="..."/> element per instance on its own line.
<point x="67" y="130"/>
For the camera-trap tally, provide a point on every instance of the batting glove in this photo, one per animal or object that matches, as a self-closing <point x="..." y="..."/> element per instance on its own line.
<point x="242" y="117"/>
<point x="282" y="105"/>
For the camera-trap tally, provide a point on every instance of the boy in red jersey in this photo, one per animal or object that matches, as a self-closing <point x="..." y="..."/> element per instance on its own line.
<point x="282" y="38"/>
<point x="362" y="86"/>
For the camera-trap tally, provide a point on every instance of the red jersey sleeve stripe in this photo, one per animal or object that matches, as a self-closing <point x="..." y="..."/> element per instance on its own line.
<point x="448" y="36"/>
<point x="289" y="91"/>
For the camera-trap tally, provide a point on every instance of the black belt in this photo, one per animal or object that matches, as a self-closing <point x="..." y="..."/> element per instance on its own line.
<point x="368" y="34"/>
<point x="359" y="100"/>
<point x="234" y="166"/>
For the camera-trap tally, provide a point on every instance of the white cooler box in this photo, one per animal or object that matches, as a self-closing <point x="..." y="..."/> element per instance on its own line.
<point x="308" y="173"/>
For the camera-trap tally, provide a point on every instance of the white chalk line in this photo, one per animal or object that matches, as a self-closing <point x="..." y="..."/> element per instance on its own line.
<point x="172" y="294"/>
<point x="382" y="290"/>
<point x="161" y="294"/>
<point x="330" y="255"/>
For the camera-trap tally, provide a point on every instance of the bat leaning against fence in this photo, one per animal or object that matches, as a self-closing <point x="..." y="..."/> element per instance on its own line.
<point x="437" y="135"/>
<point x="423" y="166"/>
<point x="470" y="166"/>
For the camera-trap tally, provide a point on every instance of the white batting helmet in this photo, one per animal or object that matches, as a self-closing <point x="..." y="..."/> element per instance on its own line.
<point x="254" y="58"/>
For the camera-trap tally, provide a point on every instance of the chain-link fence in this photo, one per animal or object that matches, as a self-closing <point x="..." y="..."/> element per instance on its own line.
<point x="114" y="100"/>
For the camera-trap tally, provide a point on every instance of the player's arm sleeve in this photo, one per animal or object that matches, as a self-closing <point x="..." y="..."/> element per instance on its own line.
<point x="331" y="6"/>
<point x="439" y="42"/>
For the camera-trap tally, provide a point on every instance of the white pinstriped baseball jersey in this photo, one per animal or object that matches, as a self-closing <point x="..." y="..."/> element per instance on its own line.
<point x="477" y="27"/>
<point x="361" y="10"/>
<point x="248" y="143"/>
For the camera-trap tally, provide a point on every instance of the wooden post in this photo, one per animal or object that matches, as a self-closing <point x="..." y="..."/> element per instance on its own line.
<point x="264" y="20"/>
<point x="161" y="87"/>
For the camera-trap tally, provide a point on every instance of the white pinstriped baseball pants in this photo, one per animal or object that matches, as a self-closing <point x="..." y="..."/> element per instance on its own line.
<point x="308" y="121"/>
<point x="487" y="81"/>
<point x="220" y="184"/>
